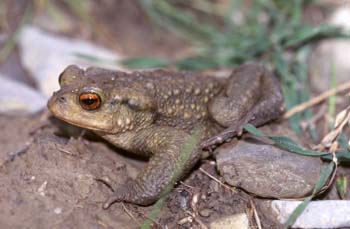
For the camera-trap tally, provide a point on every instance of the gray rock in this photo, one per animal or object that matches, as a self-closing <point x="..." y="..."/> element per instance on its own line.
<point x="237" y="221"/>
<point x="318" y="214"/>
<point x="45" y="56"/>
<point x="19" y="99"/>
<point x="331" y="56"/>
<point x="265" y="170"/>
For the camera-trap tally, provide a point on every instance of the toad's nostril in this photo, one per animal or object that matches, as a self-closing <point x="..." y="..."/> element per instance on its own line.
<point x="62" y="99"/>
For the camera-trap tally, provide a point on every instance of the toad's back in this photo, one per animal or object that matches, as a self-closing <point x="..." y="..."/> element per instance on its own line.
<point x="181" y="98"/>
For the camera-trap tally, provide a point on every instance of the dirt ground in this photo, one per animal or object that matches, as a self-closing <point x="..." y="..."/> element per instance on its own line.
<point x="50" y="180"/>
<point x="49" y="170"/>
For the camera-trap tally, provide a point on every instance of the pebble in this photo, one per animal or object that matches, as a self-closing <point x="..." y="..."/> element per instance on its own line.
<point x="205" y="212"/>
<point x="330" y="58"/>
<point x="318" y="214"/>
<point x="237" y="221"/>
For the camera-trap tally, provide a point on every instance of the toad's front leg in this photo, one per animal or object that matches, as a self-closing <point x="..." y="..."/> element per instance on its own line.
<point x="253" y="96"/>
<point x="168" y="163"/>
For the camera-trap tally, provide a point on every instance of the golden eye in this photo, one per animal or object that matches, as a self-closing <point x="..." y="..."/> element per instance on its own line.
<point x="90" y="101"/>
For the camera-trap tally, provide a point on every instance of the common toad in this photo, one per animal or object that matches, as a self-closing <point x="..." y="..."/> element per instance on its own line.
<point x="154" y="113"/>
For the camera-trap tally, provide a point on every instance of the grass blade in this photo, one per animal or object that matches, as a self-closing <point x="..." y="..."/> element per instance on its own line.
<point x="326" y="173"/>
<point x="184" y="156"/>
<point x="145" y="62"/>
<point x="10" y="44"/>
<point x="285" y="143"/>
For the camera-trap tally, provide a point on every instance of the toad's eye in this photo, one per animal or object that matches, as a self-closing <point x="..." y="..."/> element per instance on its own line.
<point x="90" y="101"/>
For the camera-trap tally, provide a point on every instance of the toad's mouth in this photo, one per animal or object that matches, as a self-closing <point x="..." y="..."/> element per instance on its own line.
<point x="84" y="126"/>
<point x="79" y="124"/>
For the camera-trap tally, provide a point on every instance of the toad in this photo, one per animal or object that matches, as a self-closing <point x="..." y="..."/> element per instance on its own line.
<point x="154" y="113"/>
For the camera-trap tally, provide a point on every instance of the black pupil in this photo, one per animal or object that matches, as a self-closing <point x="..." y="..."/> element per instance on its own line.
<point x="89" y="101"/>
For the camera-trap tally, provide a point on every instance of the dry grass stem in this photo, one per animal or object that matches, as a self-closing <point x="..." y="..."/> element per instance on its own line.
<point x="316" y="100"/>
<point x="217" y="180"/>
<point x="312" y="122"/>
<point x="197" y="220"/>
<point x="256" y="216"/>
<point x="131" y="215"/>
<point x="188" y="219"/>
<point x="331" y="138"/>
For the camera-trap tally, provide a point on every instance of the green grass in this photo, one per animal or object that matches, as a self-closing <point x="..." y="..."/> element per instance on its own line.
<point x="79" y="8"/>
<point x="270" y="31"/>
<point x="332" y="99"/>
<point x="11" y="42"/>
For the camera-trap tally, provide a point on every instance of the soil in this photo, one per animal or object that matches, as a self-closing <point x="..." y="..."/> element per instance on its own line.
<point x="51" y="180"/>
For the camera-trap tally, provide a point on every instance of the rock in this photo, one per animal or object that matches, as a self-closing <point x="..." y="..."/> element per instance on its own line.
<point x="45" y="56"/>
<point x="19" y="99"/>
<point x="265" y="170"/>
<point x="237" y="221"/>
<point x="205" y="212"/>
<point x="330" y="58"/>
<point x="318" y="214"/>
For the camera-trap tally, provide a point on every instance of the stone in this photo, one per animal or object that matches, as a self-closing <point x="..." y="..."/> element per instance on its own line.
<point x="205" y="212"/>
<point x="266" y="170"/>
<point x="318" y="214"/>
<point x="330" y="58"/>
<point x="237" y="221"/>
<point x="19" y="99"/>
<point x="46" y="55"/>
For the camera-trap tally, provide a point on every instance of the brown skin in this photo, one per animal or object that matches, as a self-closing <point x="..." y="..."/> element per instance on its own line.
<point x="154" y="114"/>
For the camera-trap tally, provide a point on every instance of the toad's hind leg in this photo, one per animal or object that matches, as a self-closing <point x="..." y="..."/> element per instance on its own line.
<point x="253" y="95"/>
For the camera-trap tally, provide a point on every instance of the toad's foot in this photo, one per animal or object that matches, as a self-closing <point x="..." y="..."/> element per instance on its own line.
<point x="226" y="135"/>
<point x="130" y="193"/>
<point x="229" y="133"/>
<point x="115" y="197"/>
